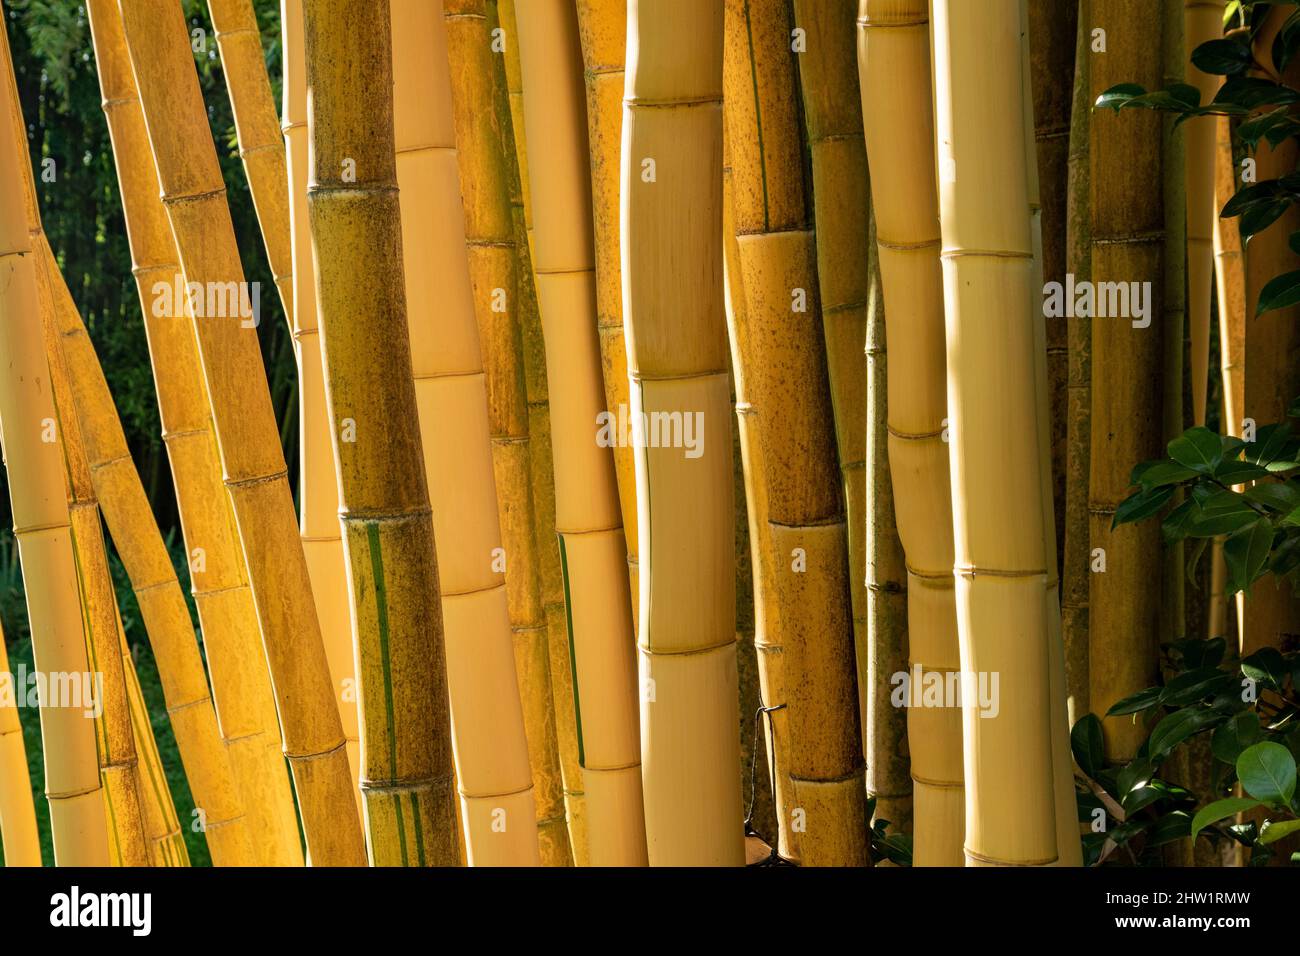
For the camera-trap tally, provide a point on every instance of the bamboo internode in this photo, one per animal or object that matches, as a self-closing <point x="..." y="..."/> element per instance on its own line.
<point x="18" y="834"/>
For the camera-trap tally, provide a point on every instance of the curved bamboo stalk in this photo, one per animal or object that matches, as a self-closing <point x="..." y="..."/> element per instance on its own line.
<point x="1000" y="534"/>
<point x="450" y="386"/>
<point x="241" y="685"/>
<point x="894" y="69"/>
<point x="828" y="82"/>
<point x="489" y="228"/>
<point x="885" y="743"/>
<point x="1270" y="346"/>
<point x="166" y="843"/>
<point x="257" y="128"/>
<point x="1202" y="21"/>
<point x="1069" y="847"/>
<point x="33" y="455"/>
<point x="502" y="16"/>
<point x="388" y="531"/>
<point x="670" y="192"/>
<point x="602" y="28"/>
<point x="1075" y="571"/>
<point x="588" y="514"/>
<point x="318" y="493"/>
<point x="253" y="467"/>
<point x="18" y="834"/>
<point x="1128" y="235"/>
<point x="792" y="476"/>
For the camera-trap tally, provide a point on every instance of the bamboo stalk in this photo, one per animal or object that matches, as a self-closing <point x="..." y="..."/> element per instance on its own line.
<point x="388" y="534"/>
<point x="489" y="227"/>
<point x="1069" y="848"/>
<point x="502" y="14"/>
<point x="602" y="26"/>
<point x="242" y="691"/>
<point x="18" y="834"/>
<point x="318" y="495"/>
<point x="677" y="361"/>
<point x="1128" y="235"/>
<point x="253" y="467"/>
<point x="588" y="514"/>
<point x="257" y="129"/>
<point x="487" y="717"/>
<point x="33" y="454"/>
<point x="828" y="82"/>
<point x="1202" y="21"/>
<point x="1075" y="573"/>
<point x="885" y="743"/>
<point x="792" y="477"/>
<point x="894" y="70"/>
<point x="1000" y="534"/>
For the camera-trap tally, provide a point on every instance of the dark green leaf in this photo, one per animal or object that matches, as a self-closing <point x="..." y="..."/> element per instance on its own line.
<point x="1117" y="97"/>
<point x="1180" y="520"/>
<point x="1267" y="772"/>
<point x="1177" y="727"/>
<point x="1266" y="666"/>
<point x="1245" y="553"/>
<point x="1141" y="504"/>
<point x="1153" y="474"/>
<point x="1195" y="685"/>
<point x="1086" y="744"/>
<point x="1222" y="57"/>
<point x="1259" y="217"/>
<point x="1270" y="443"/>
<point x="1280" y="292"/>
<point x="1276" y="496"/>
<point x="1172" y="826"/>
<point x="1223" y="512"/>
<point x="1142" y="700"/>
<point x="1220" y="810"/>
<point x="1197" y="449"/>
<point x="1239" y="472"/>
<point x="1236" y="735"/>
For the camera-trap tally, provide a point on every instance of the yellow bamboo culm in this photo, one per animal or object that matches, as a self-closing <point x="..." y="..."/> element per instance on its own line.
<point x="1127" y="245"/>
<point x="241" y="685"/>
<point x="1069" y="847"/>
<point x="489" y="228"/>
<point x="18" y="833"/>
<point x="588" y="517"/>
<point x="318" y="494"/>
<point x="671" y="214"/>
<point x="166" y="842"/>
<point x="804" y="630"/>
<point x="1202" y="21"/>
<point x="33" y="454"/>
<point x="257" y="128"/>
<point x="832" y="110"/>
<point x="388" y="534"/>
<point x="894" y="66"/>
<point x="602" y="27"/>
<point x="115" y="738"/>
<point x="998" y="512"/>
<point x="253" y="467"/>
<point x="539" y="429"/>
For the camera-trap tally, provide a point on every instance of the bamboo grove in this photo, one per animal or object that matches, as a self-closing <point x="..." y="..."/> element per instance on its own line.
<point x="728" y="432"/>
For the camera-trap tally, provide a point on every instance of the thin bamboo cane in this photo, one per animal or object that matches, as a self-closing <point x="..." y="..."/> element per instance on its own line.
<point x="502" y="16"/>
<point x="1075" y="571"/>
<point x="18" y="833"/>
<point x="1052" y="30"/>
<point x="893" y="64"/>
<point x="670" y="192"/>
<point x="489" y="227"/>
<point x="602" y="26"/>
<point x="1069" y="848"/>
<point x="388" y="530"/>
<point x="841" y="213"/>
<point x="252" y="459"/>
<point x="1128" y="235"/>
<point x="588" y="514"/>
<point x="242" y="691"/>
<point x="450" y="386"/>
<point x="114" y="736"/>
<point x="318" y="493"/>
<point x="1000" y="535"/>
<point x="1202" y="21"/>
<point x="257" y="128"/>
<point x="1270" y="346"/>
<point x="33" y="454"/>
<point x="792" y="477"/>
<point x="885" y="742"/>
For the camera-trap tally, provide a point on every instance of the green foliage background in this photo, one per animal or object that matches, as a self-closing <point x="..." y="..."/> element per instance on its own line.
<point x="81" y="211"/>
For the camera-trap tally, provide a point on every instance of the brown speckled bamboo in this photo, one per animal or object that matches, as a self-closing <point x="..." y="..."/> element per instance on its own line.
<point x="252" y="459"/>
<point x="893" y="63"/>
<point x="232" y="638"/>
<point x="478" y="90"/>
